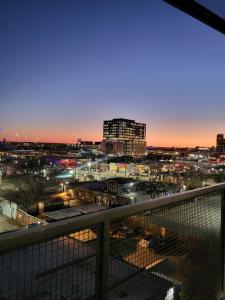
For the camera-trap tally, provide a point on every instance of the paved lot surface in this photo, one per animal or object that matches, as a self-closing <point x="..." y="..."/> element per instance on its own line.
<point x="7" y="224"/>
<point x="65" y="268"/>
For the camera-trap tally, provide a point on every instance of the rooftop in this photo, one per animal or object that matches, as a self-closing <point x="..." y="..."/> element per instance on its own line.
<point x="121" y="180"/>
<point x="90" y="185"/>
<point x="73" y="211"/>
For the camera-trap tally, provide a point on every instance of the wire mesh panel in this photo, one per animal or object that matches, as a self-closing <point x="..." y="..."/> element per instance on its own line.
<point x="61" y="268"/>
<point x="168" y="253"/>
<point x="172" y="252"/>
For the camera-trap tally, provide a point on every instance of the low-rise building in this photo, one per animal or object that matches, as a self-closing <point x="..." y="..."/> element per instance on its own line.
<point x="96" y="192"/>
<point x="120" y="185"/>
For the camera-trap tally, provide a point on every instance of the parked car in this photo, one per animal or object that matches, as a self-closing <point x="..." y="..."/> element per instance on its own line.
<point x="34" y="224"/>
<point x="136" y="231"/>
<point x="139" y="231"/>
<point x="158" y="243"/>
<point x="153" y="241"/>
<point x="122" y="229"/>
<point x="128" y="232"/>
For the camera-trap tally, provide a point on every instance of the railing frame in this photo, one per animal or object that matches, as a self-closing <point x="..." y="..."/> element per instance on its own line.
<point x="200" y="12"/>
<point x="38" y="234"/>
<point x="222" y="296"/>
<point x="102" y="261"/>
<point x="102" y="219"/>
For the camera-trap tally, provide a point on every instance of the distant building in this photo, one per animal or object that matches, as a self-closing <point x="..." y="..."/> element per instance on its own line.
<point x="3" y="145"/>
<point x="120" y="185"/>
<point x="110" y="193"/>
<point x="124" y="137"/>
<point x="220" y="142"/>
<point x="87" y="144"/>
<point x="96" y="192"/>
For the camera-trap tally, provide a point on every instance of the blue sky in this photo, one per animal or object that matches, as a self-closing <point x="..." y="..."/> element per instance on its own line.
<point x="68" y="65"/>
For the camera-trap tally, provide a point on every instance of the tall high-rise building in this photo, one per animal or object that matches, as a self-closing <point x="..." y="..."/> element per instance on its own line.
<point x="220" y="142"/>
<point x="124" y="137"/>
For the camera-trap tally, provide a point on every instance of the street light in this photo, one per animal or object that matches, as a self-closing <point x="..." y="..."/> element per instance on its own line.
<point x="131" y="185"/>
<point x="63" y="187"/>
<point x="0" y="179"/>
<point x="44" y="172"/>
<point x="89" y="167"/>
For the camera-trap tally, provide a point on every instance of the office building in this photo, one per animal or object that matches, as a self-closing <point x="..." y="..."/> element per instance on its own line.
<point x="220" y="142"/>
<point x="124" y="137"/>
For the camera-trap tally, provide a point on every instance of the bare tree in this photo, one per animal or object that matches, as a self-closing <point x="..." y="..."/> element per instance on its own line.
<point x="29" y="189"/>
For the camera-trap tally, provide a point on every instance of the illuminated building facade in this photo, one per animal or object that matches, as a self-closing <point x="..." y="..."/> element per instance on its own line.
<point x="220" y="142"/>
<point x="124" y="137"/>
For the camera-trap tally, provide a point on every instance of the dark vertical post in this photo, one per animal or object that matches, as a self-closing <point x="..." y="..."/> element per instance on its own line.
<point x="102" y="261"/>
<point x="223" y="245"/>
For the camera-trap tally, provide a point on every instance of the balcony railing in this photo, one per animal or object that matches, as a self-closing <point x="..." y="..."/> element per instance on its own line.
<point x="210" y="12"/>
<point x="167" y="248"/>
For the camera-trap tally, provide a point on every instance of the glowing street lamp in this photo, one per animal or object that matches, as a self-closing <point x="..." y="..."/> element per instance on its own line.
<point x="89" y="167"/>
<point x="63" y="186"/>
<point x="184" y="187"/>
<point x="131" y="185"/>
<point x="0" y="179"/>
<point x="44" y="172"/>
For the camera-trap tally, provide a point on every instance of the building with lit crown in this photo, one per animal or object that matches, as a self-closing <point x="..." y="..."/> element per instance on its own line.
<point x="124" y="137"/>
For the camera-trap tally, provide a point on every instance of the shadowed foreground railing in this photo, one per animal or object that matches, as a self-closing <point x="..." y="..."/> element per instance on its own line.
<point x="168" y="248"/>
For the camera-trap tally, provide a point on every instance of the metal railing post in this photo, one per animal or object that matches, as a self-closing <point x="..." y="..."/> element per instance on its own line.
<point x="222" y="297"/>
<point x="102" y="261"/>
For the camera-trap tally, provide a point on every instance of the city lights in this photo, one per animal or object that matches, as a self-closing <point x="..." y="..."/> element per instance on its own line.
<point x="112" y="157"/>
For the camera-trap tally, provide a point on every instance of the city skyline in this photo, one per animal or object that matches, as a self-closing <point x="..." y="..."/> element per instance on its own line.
<point x="68" y="66"/>
<point x="18" y="139"/>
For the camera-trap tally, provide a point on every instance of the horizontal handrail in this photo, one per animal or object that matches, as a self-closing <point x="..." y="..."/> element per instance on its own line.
<point x="200" y="12"/>
<point x="38" y="234"/>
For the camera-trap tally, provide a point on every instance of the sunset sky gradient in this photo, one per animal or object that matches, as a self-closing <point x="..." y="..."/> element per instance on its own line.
<point x="68" y="65"/>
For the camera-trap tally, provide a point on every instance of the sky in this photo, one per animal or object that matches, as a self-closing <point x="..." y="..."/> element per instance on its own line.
<point x="66" y="66"/>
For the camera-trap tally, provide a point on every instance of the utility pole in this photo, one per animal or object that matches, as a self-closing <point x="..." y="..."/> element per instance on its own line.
<point x="0" y="179"/>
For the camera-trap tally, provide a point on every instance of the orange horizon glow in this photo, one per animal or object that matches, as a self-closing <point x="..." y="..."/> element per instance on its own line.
<point x="163" y="134"/>
<point x="60" y="79"/>
<point x="159" y="141"/>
